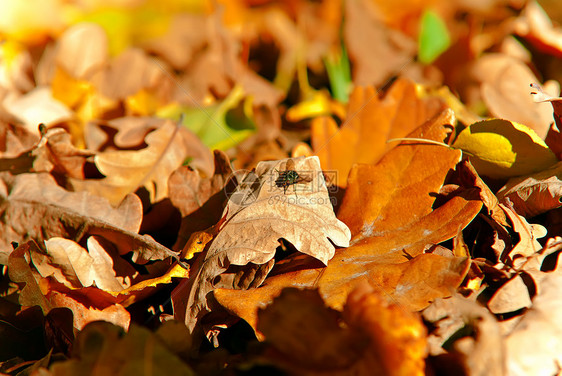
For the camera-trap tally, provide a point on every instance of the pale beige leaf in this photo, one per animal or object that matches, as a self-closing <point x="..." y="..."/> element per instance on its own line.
<point x="102" y="270"/>
<point x="64" y="260"/>
<point x="300" y="213"/>
<point x="150" y="167"/>
<point x="512" y="296"/>
<point x="75" y="267"/>
<point x="262" y="211"/>
<point x="535" y="345"/>
<point x="36" y="107"/>
<point x="80" y="59"/>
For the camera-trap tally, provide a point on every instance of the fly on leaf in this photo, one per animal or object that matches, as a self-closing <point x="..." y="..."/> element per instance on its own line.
<point x="290" y="177"/>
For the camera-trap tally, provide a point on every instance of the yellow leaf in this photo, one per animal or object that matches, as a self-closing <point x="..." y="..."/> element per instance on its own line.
<point x="501" y="149"/>
<point x="176" y="271"/>
<point x="319" y="104"/>
<point x="143" y="103"/>
<point x="82" y="97"/>
<point x="196" y="243"/>
<point x="31" y="21"/>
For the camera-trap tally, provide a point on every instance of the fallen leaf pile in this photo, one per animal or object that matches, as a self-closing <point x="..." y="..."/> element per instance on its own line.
<point x="323" y="187"/>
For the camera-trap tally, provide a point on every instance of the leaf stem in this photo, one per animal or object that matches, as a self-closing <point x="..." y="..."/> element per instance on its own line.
<point x="420" y="140"/>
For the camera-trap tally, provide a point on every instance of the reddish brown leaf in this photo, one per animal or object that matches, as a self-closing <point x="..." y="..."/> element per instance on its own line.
<point x="534" y="194"/>
<point x="199" y="199"/>
<point x="39" y="291"/>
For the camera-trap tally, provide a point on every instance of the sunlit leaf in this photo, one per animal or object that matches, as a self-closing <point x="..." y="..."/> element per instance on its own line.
<point x="500" y="148"/>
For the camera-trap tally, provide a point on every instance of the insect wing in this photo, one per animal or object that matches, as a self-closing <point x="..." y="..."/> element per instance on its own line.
<point x="290" y="166"/>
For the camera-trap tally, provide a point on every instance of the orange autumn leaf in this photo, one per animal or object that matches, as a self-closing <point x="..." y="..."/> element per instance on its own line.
<point x="389" y="233"/>
<point x="370" y="122"/>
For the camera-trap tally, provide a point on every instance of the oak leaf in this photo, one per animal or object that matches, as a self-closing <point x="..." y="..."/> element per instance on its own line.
<point x="388" y="208"/>
<point x="481" y="352"/>
<point x="258" y="214"/>
<point x="199" y="199"/>
<point x="150" y="167"/>
<point x="48" y="294"/>
<point x="48" y="210"/>
<point x="540" y="330"/>
<point x="76" y="267"/>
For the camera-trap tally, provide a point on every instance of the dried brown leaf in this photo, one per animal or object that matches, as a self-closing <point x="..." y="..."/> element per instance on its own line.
<point x="76" y="267"/>
<point x="375" y="50"/>
<point x="108" y="349"/>
<point x="85" y="305"/>
<point x="199" y="199"/>
<point x="529" y="234"/>
<point x="512" y="296"/>
<point x="258" y="214"/>
<point x="389" y="228"/>
<point x="16" y="139"/>
<point x="466" y="335"/>
<point x="535" y="26"/>
<point x="505" y="90"/>
<point x="125" y="171"/>
<point x="80" y="59"/>
<point x="37" y="106"/>
<point x="35" y="207"/>
<point x="534" y="194"/>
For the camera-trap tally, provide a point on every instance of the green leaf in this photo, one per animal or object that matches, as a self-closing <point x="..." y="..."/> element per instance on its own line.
<point x="433" y="39"/>
<point x="220" y="126"/>
<point x="339" y="74"/>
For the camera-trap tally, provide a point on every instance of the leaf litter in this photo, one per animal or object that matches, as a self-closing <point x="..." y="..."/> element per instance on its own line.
<point x="309" y="244"/>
